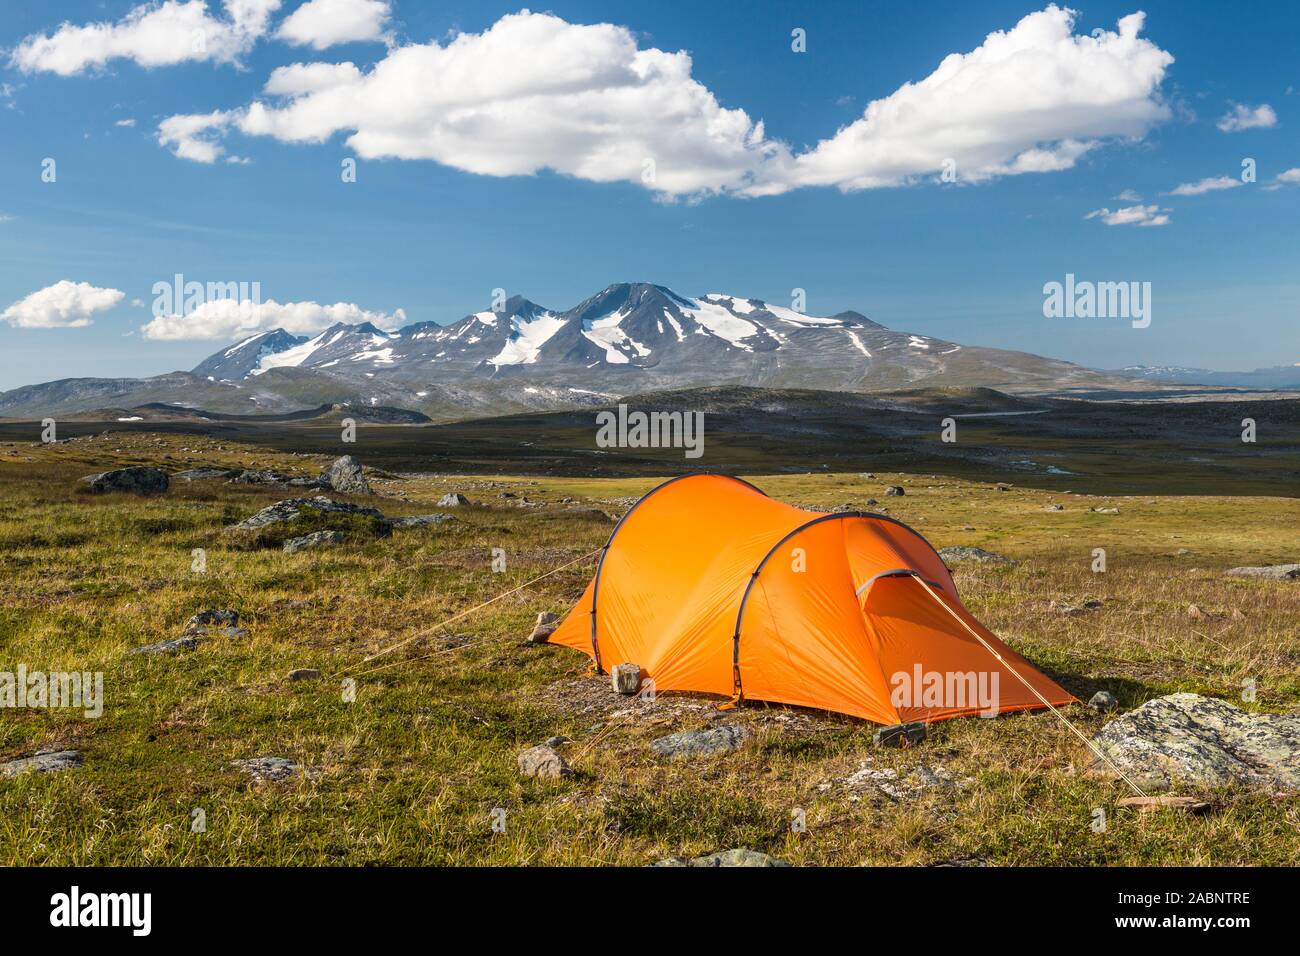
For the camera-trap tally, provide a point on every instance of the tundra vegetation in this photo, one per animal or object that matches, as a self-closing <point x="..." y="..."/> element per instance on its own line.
<point x="416" y="768"/>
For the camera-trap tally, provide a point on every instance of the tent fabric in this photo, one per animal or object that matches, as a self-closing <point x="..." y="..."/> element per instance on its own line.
<point x="713" y="587"/>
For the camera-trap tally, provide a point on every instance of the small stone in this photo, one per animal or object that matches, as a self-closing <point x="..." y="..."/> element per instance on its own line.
<point x="894" y="491"/>
<point x="43" y="761"/>
<point x="626" y="678"/>
<point x="213" y="617"/>
<point x="313" y="540"/>
<point x="556" y="741"/>
<point x="1106" y="511"/>
<point x="1054" y="508"/>
<point x="453" y="499"/>
<point x="900" y="735"/>
<point x="188" y="643"/>
<point x="304" y="673"/>
<point x="542" y="761"/>
<point x="698" y="743"/>
<point x="267" y="768"/>
<point x="1103" y="701"/>
<point x="547" y="622"/>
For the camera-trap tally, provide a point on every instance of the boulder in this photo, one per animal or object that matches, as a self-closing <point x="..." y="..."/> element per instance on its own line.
<point x="248" y="476"/>
<point x="135" y="480"/>
<point x="43" y="761"/>
<point x="895" y="491"/>
<point x="453" y="499"/>
<point x="205" y="474"/>
<point x="1203" y="741"/>
<point x="962" y="553"/>
<point x="346" y="477"/>
<point x="737" y="857"/>
<point x="700" y="743"/>
<point x="542" y="761"/>
<point x="291" y="508"/>
<point x="547" y="622"/>
<point x="1277" y="572"/>
<point x="313" y="540"/>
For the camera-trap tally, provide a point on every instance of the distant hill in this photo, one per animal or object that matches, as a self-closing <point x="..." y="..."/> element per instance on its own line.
<point x="1277" y="377"/>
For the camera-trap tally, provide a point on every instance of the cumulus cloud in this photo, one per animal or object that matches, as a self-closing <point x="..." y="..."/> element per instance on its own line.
<point x="1208" y="185"/>
<point x="323" y="23"/>
<point x="228" y="319"/>
<point x="151" y="35"/>
<point x="535" y="92"/>
<point x="1031" y="99"/>
<point x="1290" y="176"/>
<point x="1132" y="216"/>
<point x="1247" y="117"/>
<point x="1129" y="195"/>
<point x="64" y="305"/>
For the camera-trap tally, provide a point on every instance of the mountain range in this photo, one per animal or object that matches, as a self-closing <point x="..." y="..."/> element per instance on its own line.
<point x="628" y="338"/>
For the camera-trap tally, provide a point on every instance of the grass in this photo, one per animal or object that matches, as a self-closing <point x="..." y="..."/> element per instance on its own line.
<point x="411" y="771"/>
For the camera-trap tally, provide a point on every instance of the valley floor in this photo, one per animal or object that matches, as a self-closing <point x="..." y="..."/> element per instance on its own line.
<point x="412" y="770"/>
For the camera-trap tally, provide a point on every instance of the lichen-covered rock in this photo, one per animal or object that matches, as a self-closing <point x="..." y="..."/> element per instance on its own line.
<point x="1279" y="572"/>
<point x="313" y="540"/>
<point x="542" y="761"/>
<point x="43" y="761"/>
<point x="135" y="480"/>
<point x="736" y="857"/>
<point x="420" y="521"/>
<point x="267" y="768"/>
<point x="960" y="553"/>
<point x="291" y="508"/>
<point x="700" y="743"/>
<point x="187" y="643"/>
<point x="1203" y="741"/>
<point x="205" y="474"/>
<point x="213" y="617"/>
<point x="346" y="477"/>
<point x="453" y="499"/>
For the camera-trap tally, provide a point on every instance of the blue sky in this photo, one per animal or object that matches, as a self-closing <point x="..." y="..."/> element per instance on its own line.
<point x="964" y="261"/>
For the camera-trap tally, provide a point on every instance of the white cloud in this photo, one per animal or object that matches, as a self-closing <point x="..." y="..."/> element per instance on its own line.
<point x="1207" y="185"/>
<point x="1132" y="216"/>
<point x="1290" y="176"/>
<point x="64" y="305"/>
<point x="1247" y="117"/>
<point x="128" y="123"/>
<point x="228" y="319"/>
<point x="1129" y="195"/>
<point x="323" y="23"/>
<point x="151" y="35"/>
<point x="1031" y="99"/>
<point x="534" y="92"/>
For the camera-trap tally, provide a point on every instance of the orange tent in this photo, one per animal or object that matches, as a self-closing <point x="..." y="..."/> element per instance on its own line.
<point x="711" y="586"/>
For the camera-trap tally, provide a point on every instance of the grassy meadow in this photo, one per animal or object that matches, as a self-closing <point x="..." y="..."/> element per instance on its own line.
<point x="411" y="770"/>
